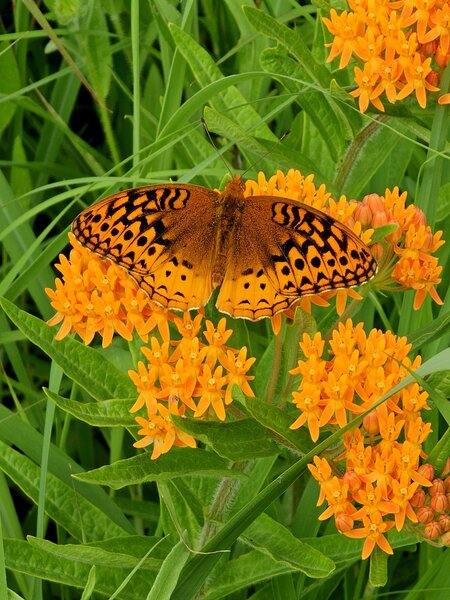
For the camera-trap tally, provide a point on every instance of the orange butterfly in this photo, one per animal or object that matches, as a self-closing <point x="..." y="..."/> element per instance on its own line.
<point x="181" y="241"/>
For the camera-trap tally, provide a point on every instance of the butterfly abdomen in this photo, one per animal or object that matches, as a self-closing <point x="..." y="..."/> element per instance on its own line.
<point x="229" y="209"/>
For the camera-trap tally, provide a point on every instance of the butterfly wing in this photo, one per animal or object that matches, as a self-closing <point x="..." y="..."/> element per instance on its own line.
<point x="162" y="235"/>
<point x="283" y="250"/>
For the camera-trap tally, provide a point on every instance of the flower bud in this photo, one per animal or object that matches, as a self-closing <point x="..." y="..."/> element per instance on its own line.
<point x="352" y="480"/>
<point x="444" y="522"/>
<point x="376" y="250"/>
<point x="441" y="58"/>
<point x="370" y="423"/>
<point x="446" y="469"/>
<point x="418" y="499"/>
<point x="417" y="217"/>
<point x="344" y="522"/>
<point x="437" y="486"/>
<point x="425" y="514"/>
<point x="363" y="214"/>
<point x="445" y="539"/>
<point x="434" y="78"/>
<point x="432" y="530"/>
<point x="427" y="471"/>
<point x="439" y="502"/>
<point x="429" y="49"/>
<point x="380" y="218"/>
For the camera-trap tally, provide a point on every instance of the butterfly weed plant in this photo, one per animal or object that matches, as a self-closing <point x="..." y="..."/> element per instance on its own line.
<point x="300" y="451"/>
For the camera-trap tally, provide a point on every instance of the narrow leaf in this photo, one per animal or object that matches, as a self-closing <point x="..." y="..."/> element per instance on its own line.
<point x="139" y="469"/>
<point x="84" y="365"/>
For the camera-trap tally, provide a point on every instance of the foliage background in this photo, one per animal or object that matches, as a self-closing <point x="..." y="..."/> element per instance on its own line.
<point x="98" y="96"/>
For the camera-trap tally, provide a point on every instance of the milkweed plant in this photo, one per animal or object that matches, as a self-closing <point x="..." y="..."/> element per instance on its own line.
<point x="245" y="457"/>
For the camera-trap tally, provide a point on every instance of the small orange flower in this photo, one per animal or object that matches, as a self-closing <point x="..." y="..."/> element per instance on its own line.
<point x="216" y="337"/>
<point x="211" y="393"/>
<point x="64" y="302"/>
<point x="108" y="310"/>
<point x="321" y="471"/>
<point x="371" y="499"/>
<point x="403" y="491"/>
<point x="159" y="430"/>
<point x="158" y="355"/>
<point x="134" y="303"/>
<point x="373" y="530"/>
<point x="187" y="326"/>
<point x="368" y="89"/>
<point x="307" y="401"/>
<point x="237" y="367"/>
<point x="338" y="498"/>
<point x="177" y="384"/>
<point x="145" y="381"/>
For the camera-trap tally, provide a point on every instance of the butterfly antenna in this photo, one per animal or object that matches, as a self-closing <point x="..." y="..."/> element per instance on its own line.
<point x="263" y="156"/>
<point x="208" y="133"/>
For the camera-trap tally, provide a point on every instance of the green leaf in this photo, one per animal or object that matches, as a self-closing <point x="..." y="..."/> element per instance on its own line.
<point x="239" y="440"/>
<point x="279" y="421"/>
<point x="90" y="584"/>
<point x="139" y="469"/>
<point x="169" y="572"/>
<point x="366" y="155"/>
<point x="378" y="568"/>
<point x="106" y="413"/>
<point x="440" y="381"/>
<point x="292" y="41"/>
<point x="246" y="570"/>
<point x="443" y="203"/>
<point x="205" y="71"/>
<point x="96" y="50"/>
<point x="84" y="365"/>
<point x="47" y="561"/>
<point x="70" y="510"/>
<point x="120" y="556"/>
<point x="434" y="331"/>
<point x="324" y="113"/>
<point x="232" y="130"/>
<point x="10" y="78"/>
<point x="440" y="453"/>
<point x="275" y="540"/>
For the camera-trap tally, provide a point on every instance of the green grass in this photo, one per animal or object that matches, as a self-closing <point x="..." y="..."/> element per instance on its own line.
<point x="99" y="96"/>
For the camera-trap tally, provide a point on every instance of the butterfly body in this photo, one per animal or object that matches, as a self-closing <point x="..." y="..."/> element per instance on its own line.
<point x="181" y="241"/>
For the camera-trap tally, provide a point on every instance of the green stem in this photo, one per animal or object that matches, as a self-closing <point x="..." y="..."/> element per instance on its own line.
<point x="135" y="50"/>
<point x="428" y="190"/>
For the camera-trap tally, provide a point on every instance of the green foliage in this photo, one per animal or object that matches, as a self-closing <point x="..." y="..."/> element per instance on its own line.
<point x="101" y="96"/>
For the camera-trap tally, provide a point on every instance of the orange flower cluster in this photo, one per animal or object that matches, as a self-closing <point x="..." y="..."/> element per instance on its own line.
<point x="173" y="379"/>
<point x="97" y="296"/>
<point x="380" y="469"/>
<point x="402" y="47"/>
<point x="413" y="242"/>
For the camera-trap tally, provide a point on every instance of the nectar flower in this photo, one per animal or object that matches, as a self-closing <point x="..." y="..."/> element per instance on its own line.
<point x="394" y="44"/>
<point x="212" y="394"/>
<point x="380" y="461"/>
<point x="159" y="430"/>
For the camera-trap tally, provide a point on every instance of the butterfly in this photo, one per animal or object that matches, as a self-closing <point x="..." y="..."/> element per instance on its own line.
<point x="181" y="241"/>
